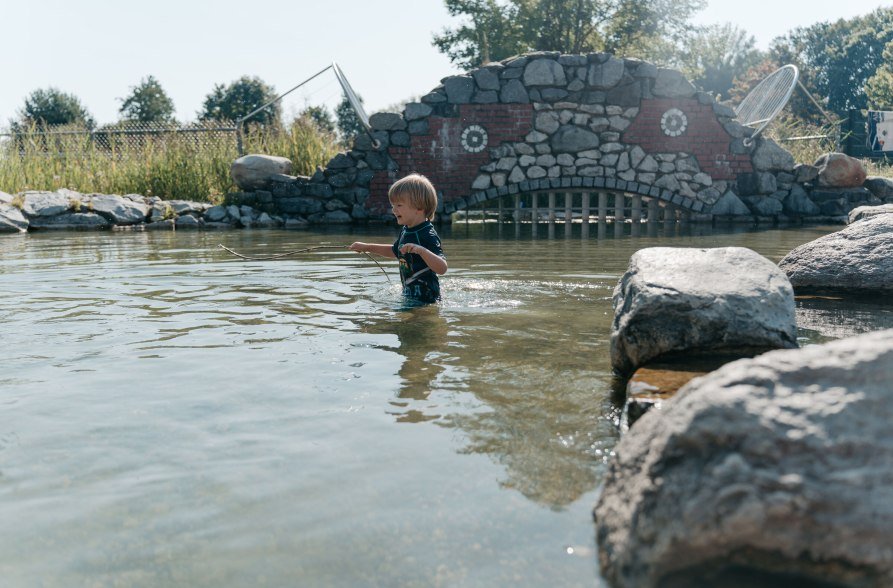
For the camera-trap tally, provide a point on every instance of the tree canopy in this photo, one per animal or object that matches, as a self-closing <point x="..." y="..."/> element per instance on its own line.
<point x="493" y="30"/>
<point x="240" y="98"/>
<point x="715" y="56"/>
<point x="836" y="59"/>
<point x="50" y="107"/>
<point x="147" y="103"/>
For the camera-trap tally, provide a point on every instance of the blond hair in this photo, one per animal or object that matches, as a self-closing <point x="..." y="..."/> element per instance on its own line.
<point x="418" y="191"/>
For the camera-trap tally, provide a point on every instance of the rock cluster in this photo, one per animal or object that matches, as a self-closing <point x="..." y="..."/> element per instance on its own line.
<point x="778" y="469"/>
<point x="67" y="209"/>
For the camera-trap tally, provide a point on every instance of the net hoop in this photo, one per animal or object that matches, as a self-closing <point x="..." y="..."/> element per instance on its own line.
<point x="352" y="97"/>
<point x="767" y="99"/>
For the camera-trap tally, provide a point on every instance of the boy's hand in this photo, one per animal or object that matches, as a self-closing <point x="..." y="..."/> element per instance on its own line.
<point x="412" y="248"/>
<point x="358" y="246"/>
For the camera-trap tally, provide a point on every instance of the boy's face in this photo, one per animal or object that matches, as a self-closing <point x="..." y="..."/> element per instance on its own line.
<point x="407" y="214"/>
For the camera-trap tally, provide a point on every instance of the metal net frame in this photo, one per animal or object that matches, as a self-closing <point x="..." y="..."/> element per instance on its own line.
<point x="767" y="99"/>
<point x="352" y="97"/>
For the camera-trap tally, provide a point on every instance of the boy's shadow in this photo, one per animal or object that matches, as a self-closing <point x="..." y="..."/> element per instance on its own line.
<point x="422" y="334"/>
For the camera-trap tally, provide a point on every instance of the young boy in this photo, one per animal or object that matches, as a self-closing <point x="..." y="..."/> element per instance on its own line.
<point x="413" y="201"/>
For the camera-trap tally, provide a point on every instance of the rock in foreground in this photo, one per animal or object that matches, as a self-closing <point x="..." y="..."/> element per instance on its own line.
<point x="864" y="212"/>
<point x="778" y="467"/>
<point x="858" y="258"/>
<point x="726" y="300"/>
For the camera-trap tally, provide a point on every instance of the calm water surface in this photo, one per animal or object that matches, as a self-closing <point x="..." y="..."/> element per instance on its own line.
<point x="172" y="417"/>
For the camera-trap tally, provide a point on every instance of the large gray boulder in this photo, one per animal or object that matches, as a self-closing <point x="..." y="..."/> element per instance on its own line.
<point x="252" y="172"/>
<point x="687" y="301"/>
<point x="778" y="467"/>
<point x="856" y="258"/>
<point x="118" y="210"/>
<point x="864" y="212"/>
<point x="12" y="220"/>
<point x="42" y="203"/>
<point x="5" y="198"/>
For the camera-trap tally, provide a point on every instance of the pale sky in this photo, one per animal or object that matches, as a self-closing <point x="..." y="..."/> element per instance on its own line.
<point x="99" y="49"/>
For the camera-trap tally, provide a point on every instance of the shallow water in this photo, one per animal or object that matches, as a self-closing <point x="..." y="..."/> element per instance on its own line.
<point x="171" y="416"/>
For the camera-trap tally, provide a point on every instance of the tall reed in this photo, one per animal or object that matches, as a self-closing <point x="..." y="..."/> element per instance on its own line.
<point x="169" y="165"/>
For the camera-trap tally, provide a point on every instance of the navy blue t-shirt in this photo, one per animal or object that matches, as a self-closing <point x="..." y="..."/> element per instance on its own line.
<point x="419" y="281"/>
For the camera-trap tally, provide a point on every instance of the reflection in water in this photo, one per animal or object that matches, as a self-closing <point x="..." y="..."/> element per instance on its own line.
<point x="171" y="416"/>
<point x="423" y="339"/>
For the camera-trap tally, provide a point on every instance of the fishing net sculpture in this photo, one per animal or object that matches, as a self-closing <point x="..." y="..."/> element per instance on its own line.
<point x="766" y="100"/>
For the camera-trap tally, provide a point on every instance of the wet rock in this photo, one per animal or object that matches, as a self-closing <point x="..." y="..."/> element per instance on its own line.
<point x="837" y="170"/>
<point x="187" y="221"/>
<point x="252" y="172"/>
<point x="730" y="205"/>
<point x="162" y="225"/>
<point x="118" y="210"/>
<point x="674" y="301"/>
<point x="864" y="212"/>
<point x="856" y="258"/>
<point x="12" y="220"/>
<point x="778" y="467"/>
<point x="70" y="221"/>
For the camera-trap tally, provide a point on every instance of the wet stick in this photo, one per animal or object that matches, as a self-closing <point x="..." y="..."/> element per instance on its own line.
<point x="295" y="252"/>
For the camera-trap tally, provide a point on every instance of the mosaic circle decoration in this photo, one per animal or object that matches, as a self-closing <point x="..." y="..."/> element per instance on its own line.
<point x="474" y="139"/>
<point x="673" y="122"/>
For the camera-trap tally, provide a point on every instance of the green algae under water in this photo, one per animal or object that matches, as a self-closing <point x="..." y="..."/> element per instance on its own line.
<point x="171" y="416"/>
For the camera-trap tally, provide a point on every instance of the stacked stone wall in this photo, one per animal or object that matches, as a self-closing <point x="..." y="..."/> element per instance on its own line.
<point x="546" y="121"/>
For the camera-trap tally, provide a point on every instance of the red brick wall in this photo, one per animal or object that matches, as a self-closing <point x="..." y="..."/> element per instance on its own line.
<point x="704" y="138"/>
<point x="439" y="154"/>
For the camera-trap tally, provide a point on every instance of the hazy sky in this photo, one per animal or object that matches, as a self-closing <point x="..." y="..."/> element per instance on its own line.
<point x="99" y="49"/>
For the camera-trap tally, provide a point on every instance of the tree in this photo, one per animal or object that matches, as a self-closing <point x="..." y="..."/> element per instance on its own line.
<point x="239" y="99"/>
<point x="879" y="87"/>
<point x="717" y="55"/>
<point x="349" y="124"/>
<point x="321" y="117"/>
<point x="492" y="34"/>
<point x="837" y="59"/>
<point x="147" y="103"/>
<point x="651" y="29"/>
<point x="52" y="107"/>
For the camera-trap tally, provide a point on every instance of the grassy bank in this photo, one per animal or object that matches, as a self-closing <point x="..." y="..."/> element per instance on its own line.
<point x="169" y="165"/>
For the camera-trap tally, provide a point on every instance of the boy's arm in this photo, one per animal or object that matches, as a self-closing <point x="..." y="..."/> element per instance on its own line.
<point x="437" y="263"/>
<point x="382" y="249"/>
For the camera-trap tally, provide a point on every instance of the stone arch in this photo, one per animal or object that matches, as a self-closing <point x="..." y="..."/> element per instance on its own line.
<point x="556" y="121"/>
<point x="664" y="196"/>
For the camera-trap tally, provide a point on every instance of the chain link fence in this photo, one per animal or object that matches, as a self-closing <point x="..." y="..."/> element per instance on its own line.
<point x="117" y="139"/>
